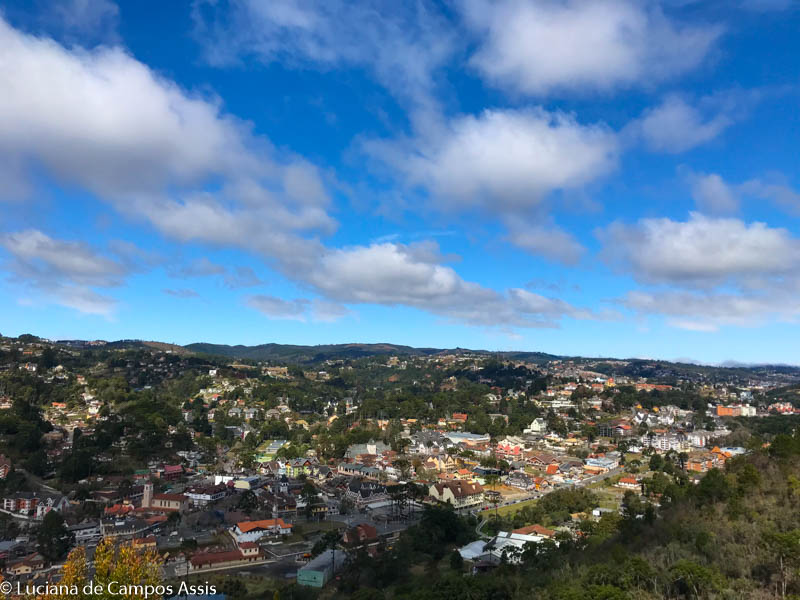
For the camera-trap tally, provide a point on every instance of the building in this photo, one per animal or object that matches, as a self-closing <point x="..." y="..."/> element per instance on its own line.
<point x="458" y="493"/>
<point x="628" y="483"/>
<point x="535" y="530"/>
<point x="362" y="492"/>
<point x="362" y="537"/>
<point x="206" y="494"/>
<point x="251" y="531"/>
<point x="321" y="569"/>
<point x="86" y="533"/>
<point x="5" y="466"/>
<point x="163" y="502"/>
<point x="246" y="553"/>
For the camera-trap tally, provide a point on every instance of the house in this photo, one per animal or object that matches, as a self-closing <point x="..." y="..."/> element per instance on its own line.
<point x="510" y="448"/>
<point x="145" y="543"/>
<point x="459" y="493"/>
<point x="49" y="502"/>
<point x="541" y="459"/>
<point x="362" y="537"/>
<point x="251" y="531"/>
<point x="296" y="466"/>
<point x="628" y="483"/>
<point x="520" y="479"/>
<point x="170" y="472"/>
<point x="280" y="504"/>
<point x="536" y="530"/>
<point x="204" y="495"/>
<point x="26" y="566"/>
<point x="537" y="427"/>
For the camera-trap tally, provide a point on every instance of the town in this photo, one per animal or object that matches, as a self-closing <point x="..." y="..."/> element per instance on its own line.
<point x="289" y="471"/>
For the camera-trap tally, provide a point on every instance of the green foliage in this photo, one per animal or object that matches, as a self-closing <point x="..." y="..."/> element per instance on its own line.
<point x="53" y="538"/>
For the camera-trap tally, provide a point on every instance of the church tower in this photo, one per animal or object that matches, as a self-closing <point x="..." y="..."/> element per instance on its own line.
<point x="147" y="498"/>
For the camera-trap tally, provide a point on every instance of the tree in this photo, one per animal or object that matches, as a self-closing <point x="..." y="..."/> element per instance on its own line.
<point x="785" y="548"/>
<point x="492" y="481"/>
<point x="456" y="561"/>
<point x="248" y="502"/>
<point x="656" y="462"/>
<point x="53" y="539"/>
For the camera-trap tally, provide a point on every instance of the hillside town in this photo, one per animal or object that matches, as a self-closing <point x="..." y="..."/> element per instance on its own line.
<point x="291" y="470"/>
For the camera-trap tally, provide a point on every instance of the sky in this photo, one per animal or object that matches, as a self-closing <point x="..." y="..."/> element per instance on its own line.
<point x="607" y="178"/>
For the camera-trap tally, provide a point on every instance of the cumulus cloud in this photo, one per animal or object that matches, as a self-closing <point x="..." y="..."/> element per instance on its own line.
<point x="278" y="308"/>
<point x="713" y="272"/>
<point x="553" y="243"/>
<point x="676" y="126"/>
<point x="40" y="257"/>
<point x="712" y="195"/>
<point x="104" y="121"/>
<point x="698" y="311"/>
<point x="544" y="46"/>
<point x="702" y="252"/>
<point x="64" y="271"/>
<point x="504" y="158"/>
<point x="778" y="192"/>
<point x="328" y="312"/>
<point x="414" y="275"/>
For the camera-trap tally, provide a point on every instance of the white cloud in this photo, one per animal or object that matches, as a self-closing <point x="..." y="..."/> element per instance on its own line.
<point x="413" y="275"/>
<point x="402" y="44"/>
<point x="675" y="126"/>
<point x="699" y="311"/>
<point x="103" y="121"/>
<point x="83" y="19"/>
<point x="507" y="159"/>
<point x="40" y="257"/>
<point x="106" y="122"/>
<point x="65" y="272"/>
<point x="505" y="164"/>
<point x="774" y="191"/>
<point x="717" y="271"/>
<point x="232" y="277"/>
<point x="329" y="312"/>
<point x="712" y="195"/>
<point x="702" y="252"/>
<point x="545" y="46"/>
<point x="278" y="308"/>
<point x="552" y="242"/>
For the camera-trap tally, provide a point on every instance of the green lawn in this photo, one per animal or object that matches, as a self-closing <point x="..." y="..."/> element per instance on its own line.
<point x="510" y="509"/>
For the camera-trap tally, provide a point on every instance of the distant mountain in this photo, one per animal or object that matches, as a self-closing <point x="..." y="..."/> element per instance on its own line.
<point x="310" y="354"/>
<point x="307" y="354"/>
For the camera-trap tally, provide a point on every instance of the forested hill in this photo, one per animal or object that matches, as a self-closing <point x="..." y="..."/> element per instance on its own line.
<point x="300" y="354"/>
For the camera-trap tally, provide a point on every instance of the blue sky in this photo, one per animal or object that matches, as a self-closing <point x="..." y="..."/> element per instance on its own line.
<point x="609" y="178"/>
